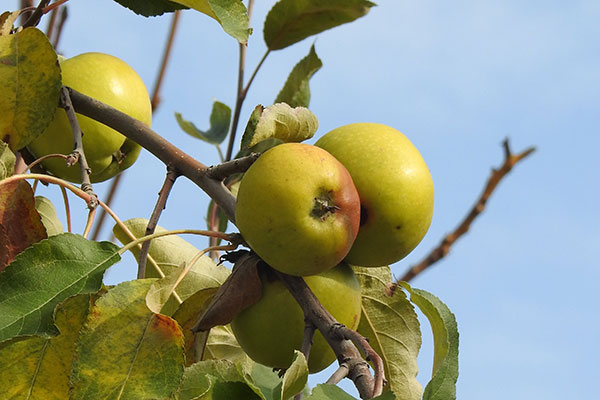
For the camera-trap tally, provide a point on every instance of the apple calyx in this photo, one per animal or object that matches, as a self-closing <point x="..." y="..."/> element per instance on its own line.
<point x="324" y="206"/>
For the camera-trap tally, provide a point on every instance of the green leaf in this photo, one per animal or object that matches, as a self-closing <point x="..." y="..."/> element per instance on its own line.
<point x="442" y="385"/>
<point x="291" y="21"/>
<point x="40" y="367"/>
<point x="46" y="274"/>
<point x="169" y="252"/>
<point x="150" y="8"/>
<point x="280" y="121"/>
<point x="226" y="381"/>
<point x="31" y="83"/>
<point x="205" y="274"/>
<point x="231" y="14"/>
<point x="20" y="223"/>
<point x="391" y="325"/>
<point x="266" y="379"/>
<point x="325" y="391"/>
<point x="7" y="161"/>
<point x="49" y="216"/>
<point x="295" y="377"/>
<point x="296" y="91"/>
<point x="125" y="350"/>
<point x="219" y="124"/>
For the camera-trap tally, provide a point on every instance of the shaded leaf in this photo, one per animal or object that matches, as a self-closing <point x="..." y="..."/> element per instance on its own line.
<point x="7" y="161"/>
<point x="150" y="8"/>
<point x="31" y="82"/>
<point x="20" y="223"/>
<point x="266" y="379"/>
<point x="391" y="325"/>
<point x="291" y="21"/>
<point x="294" y="378"/>
<point x="222" y="345"/>
<point x="226" y="381"/>
<point x="326" y="391"/>
<point x="241" y="289"/>
<point x="125" y="350"/>
<point x="285" y="123"/>
<point x="205" y="274"/>
<point x="49" y="216"/>
<point x="296" y="91"/>
<point x="250" y="128"/>
<point x="442" y="385"/>
<point x="231" y="14"/>
<point x="40" y="367"/>
<point x="220" y="118"/>
<point x="46" y="274"/>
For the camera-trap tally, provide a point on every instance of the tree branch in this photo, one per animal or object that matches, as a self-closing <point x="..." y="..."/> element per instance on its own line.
<point x="35" y="17"/>
<point x="165" y="151"/>
<point x="510" y="160"/>
<point x="228" y="168"/>
<point x="345" y="350"/>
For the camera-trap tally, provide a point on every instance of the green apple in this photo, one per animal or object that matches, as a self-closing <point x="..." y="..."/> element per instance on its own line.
<point x="395" y="188"/>
<point x="112" y="81"/>
<point x="298" y="209"/>
<point x="269" y="330"/>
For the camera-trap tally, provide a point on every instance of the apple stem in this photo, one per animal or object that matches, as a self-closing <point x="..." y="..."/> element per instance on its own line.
<point x="323" y="208"/>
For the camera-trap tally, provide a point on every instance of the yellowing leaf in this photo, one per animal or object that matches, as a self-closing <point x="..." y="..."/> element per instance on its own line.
<point x="48" y="214"/>
<point x="391" y="325"/>
<point x="126" y="351"/>
<point x="7" y="161"/>
<point x="38" y="368"/>
<point x="30" y="78"/>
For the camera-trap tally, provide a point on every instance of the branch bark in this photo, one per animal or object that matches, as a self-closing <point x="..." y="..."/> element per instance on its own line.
<point x="164" y="150"/>
<point x="510" y="160"/>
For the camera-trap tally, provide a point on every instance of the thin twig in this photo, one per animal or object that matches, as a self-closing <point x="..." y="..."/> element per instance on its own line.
<point x="240" y="94"/>
<point x="67" y="208"/>
<point x="228" y="168"/>
<point x="165" y="59"/>
<point x="35" y="17"/>
<point x="64" y="14"/>
<point x="78" y="153"/>
<point x="153" y="222"/>
<point x="510" y="160"/>
<point x="307" y="341"/>
<point x="339" y="374"/>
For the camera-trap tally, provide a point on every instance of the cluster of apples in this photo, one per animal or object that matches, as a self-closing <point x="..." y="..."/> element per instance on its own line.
<point x="362" y="195"/>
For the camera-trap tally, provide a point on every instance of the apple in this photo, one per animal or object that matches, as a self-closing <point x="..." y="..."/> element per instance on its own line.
<point x="270" y="330"/>
<point x="112" y="81"/>
<point x="395" y="188"/>
<point x="298" y="209"/>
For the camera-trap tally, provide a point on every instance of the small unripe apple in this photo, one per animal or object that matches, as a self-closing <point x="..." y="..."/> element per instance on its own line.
<point x="298" y="209"/>
<point x="395" y="188"/>
<point x="112" y="81"/>
<point x="270" y="330"/>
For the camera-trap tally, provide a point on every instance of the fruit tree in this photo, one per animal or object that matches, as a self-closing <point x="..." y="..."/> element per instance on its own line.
<point x="302" y="227"/>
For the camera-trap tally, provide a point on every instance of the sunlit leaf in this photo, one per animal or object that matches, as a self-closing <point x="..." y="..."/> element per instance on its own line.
<point x="294" y="378"/>
<point x="7" y="161"/>
<point x="291" y="21"/>
<point x="49" y="216"/>
<point x="220" y="118"/>
<point x="231" y="14"/>
<point x="7" y="20"/>
<point x="150" y="8"/>
<point x="280" y="121"/>
<point x="328" y="392"/>
<point x="40" y="367"/>
<point x="296" y="91"/>
<point x="391" y="325"/>
<point x="442" y="385"/>
<point x="46" y="274"/>
<point x="31" y="82"/>
<point x="20" y="223"/>
<point x="125" y="350"/>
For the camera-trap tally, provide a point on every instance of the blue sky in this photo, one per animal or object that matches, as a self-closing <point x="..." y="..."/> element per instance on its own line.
<point x="456" y="79"/>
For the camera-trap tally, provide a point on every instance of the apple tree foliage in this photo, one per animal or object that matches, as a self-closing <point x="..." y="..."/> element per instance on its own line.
<point x="65" y="335"/>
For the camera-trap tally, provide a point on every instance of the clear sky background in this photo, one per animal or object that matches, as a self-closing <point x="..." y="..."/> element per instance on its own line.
<point x="457" y="78"/>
